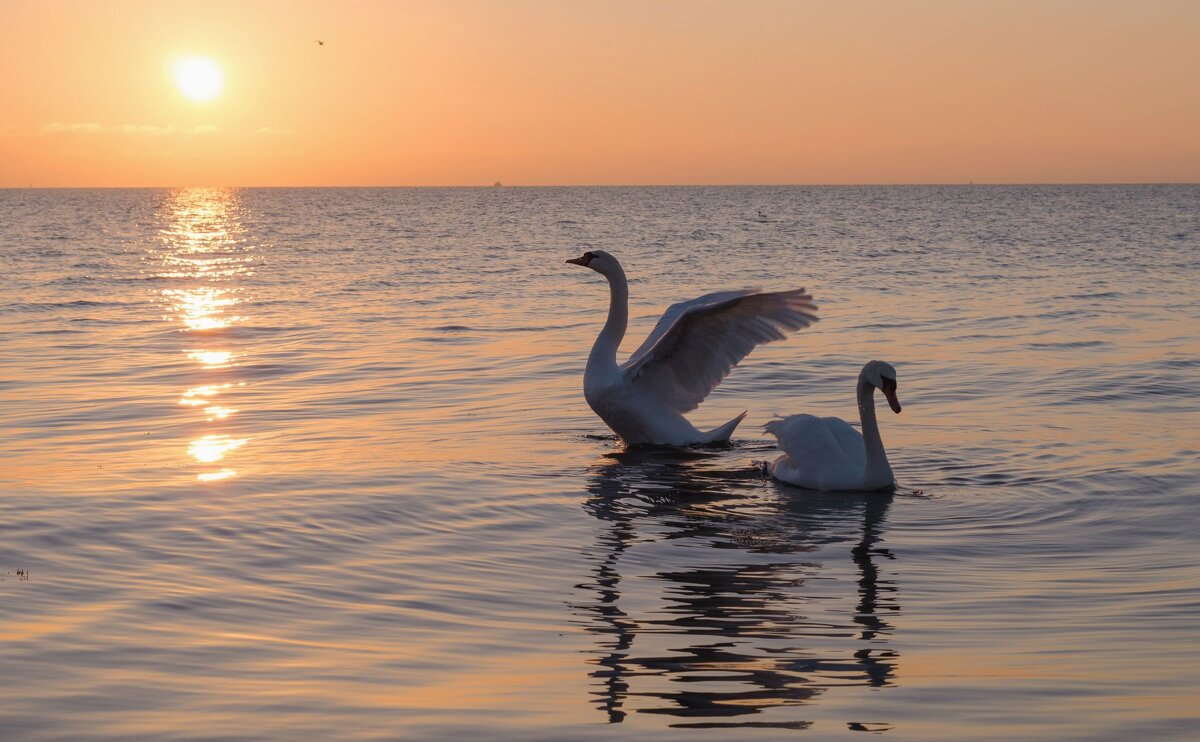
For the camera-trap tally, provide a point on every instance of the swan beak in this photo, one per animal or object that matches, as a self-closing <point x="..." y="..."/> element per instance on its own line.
<point x="890" y="392"/>
<point x="577" y="261"/>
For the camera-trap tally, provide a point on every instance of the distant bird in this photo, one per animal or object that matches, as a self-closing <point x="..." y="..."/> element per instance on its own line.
<point x="825" y="453"/>
<point x="691" y="350"/>
<point x="320" y="43"/>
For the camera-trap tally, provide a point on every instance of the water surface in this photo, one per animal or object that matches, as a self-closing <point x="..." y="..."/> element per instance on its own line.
<point x="284" y="464"/>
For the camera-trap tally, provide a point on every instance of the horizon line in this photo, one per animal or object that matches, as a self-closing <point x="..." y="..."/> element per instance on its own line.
<point x="499" y="185"/>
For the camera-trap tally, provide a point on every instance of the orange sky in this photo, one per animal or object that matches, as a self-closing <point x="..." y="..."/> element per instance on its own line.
<point x="591" y="92"/>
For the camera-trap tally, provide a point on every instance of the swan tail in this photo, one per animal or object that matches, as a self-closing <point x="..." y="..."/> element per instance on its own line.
<point x="721" y="434"/>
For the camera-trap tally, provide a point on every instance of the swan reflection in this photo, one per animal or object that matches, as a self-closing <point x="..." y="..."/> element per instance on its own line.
<point x="203" y="251"/>
<point x="715" y="597"/>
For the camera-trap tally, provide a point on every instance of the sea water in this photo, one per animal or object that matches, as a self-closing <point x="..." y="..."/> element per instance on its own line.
<point x="316" y="464"/>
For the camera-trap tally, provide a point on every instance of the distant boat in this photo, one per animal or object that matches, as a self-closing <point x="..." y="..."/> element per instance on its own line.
<point x="497" y="184"/>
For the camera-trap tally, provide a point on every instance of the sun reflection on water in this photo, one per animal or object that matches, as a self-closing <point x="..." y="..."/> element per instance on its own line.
<point x="213" y="476"/>
<point x="210" y="448"/>
<point x="217" y="412"/>
<point x="211" y="358"/>
<point x="196" y="396"/>
<point x="203" y="250"/>
<point x="204" y="308"/>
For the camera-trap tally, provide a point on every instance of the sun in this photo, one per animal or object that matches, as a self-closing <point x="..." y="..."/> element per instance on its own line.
<point x="199" y="78"/>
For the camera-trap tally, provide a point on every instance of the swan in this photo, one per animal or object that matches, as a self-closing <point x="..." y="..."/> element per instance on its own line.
<point x="692" y="348"/>
<point x="825" y="453"/>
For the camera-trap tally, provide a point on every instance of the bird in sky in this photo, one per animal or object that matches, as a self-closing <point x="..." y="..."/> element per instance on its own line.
<point x="320" y="43"/>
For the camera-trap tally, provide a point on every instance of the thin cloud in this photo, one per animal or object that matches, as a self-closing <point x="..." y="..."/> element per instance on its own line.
<point x="141" y="129"/>
<point x="270" y="131"/>
<point x="59" y="127"/>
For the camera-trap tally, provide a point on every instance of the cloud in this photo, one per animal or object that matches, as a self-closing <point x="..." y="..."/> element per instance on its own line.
<point x="270" y="131"/>
<point x="141" y="129"/>
<point x="58" y="127"/>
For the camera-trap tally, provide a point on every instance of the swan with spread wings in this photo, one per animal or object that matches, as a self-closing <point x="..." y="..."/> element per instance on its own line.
<point x="692" y="349"/>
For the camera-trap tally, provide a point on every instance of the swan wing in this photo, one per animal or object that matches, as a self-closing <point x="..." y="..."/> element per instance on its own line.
<point x="676" y="310"/>
<point x="696" y="343"/>
<point x="808" y="440"/>
<point x="848" y="438"/>
<point x="823" y="453"/>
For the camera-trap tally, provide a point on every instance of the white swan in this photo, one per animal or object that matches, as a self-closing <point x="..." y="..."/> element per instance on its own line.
<point x="825" y="453"/>
<point x="692" y="348"/>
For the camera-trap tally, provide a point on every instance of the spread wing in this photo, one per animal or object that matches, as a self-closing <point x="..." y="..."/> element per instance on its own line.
<point x="675" y="310"/>
<point x="696" y="343"/>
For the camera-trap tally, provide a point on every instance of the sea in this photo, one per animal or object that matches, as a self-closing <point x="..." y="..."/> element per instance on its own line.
<point x="285" y="464"/>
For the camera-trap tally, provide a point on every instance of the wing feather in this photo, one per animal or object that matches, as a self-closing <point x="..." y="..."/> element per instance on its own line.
<point x="696" y="344"/>
<point x="815" y="441"/>
<point x="673" y="313"/>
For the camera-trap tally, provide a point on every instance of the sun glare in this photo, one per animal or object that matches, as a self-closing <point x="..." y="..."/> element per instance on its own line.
<point x="198" y="78"/>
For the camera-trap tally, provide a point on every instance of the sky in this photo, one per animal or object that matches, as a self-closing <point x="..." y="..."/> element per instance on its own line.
<point x="574" y="92"/>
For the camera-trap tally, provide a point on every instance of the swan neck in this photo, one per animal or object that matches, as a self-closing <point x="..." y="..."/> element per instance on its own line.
<point x="876" y="456"/>
<point x="605" y="349"/>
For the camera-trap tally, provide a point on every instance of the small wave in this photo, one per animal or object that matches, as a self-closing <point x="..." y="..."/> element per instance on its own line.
<point x="244" y="331"/>
<point x="359" y="285"/>
<point x="1068" y="345"/>
<point x="55" y="305"/>
<point x="442" y="339"/>
<point x="500" y="330"/>
<point x="69" y="280"/>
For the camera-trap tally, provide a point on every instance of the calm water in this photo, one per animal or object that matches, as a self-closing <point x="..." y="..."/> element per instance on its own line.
<point x="315" y="464"/>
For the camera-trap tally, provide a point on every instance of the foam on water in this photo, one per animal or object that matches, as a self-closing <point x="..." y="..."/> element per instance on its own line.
<point x="316" y="464"/>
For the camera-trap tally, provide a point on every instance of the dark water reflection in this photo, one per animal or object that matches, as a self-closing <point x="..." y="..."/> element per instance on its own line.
<point x="754" y="632"/>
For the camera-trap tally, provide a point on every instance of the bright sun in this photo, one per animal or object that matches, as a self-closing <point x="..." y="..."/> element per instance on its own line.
<point x="198" y="78"/>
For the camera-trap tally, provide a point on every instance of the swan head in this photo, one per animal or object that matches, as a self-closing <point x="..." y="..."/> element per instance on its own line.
<point x="882" y="376"/>
<point x="599" y="261"/>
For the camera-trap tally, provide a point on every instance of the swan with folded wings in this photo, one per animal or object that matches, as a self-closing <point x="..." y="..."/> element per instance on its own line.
<point x="692" y="348"/>
<point x="825" y="453"/>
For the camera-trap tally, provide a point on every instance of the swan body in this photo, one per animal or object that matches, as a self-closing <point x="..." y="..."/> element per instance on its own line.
<point x="690" y="351"/>
<point x="826" y="453"/>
